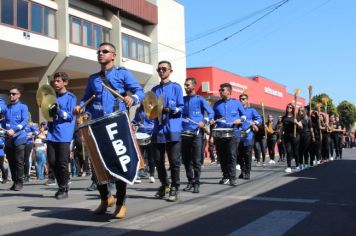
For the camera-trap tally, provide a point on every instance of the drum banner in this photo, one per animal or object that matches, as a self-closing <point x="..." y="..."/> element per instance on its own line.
<point x="114" y="141"/>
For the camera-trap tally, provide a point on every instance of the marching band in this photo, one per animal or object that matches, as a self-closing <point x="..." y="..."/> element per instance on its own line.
<point x="165" y="124"/>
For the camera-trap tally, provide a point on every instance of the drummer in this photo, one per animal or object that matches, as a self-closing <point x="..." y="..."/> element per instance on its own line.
<point x="145" y="126"/>
<point x="193" y="124"/>
<point x="120" y="79"/>
<point x="229" y="113"/>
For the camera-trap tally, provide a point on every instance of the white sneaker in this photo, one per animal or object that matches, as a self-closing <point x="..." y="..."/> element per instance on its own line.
<point x="297" y="168"/>
<point x="331" y="159"/>
<point x="258" y="163"/>
<point x="288" y="170"/>
<point x="137" y="181"/>
<point x="238" y="167"/>
<point x="270" y="162"/>
<point x="152" y="179"/>
<point x="318" y="162"/>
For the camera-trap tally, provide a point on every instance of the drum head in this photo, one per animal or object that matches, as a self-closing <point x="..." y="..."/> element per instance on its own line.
<point x="142" y="135"/>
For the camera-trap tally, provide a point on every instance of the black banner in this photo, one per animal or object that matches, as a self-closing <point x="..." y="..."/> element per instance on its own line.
<point x="116" y="147"/>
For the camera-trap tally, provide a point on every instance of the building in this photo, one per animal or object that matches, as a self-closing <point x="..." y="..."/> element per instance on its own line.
<point x="274" y="96"/>
<point x="41" y="37"/>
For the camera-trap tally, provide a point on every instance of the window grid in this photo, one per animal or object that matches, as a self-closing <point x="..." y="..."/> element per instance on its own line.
<point x="14" y="23"/>
<point x="137" y="49"/>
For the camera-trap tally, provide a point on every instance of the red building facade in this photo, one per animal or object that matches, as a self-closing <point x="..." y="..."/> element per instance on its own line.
<point x="273" y="95"/>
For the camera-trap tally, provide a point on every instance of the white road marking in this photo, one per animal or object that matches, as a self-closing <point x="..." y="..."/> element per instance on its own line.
<point x="274" y="223"/>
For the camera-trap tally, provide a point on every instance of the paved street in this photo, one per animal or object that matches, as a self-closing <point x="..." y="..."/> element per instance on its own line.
<point x="316" y="201"/>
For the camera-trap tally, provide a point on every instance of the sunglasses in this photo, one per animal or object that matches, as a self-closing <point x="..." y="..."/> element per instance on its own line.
<point x="13" y="94"/>
<point x="243" y="99"/>
<point x="289" y="107"/>
<point x="221" y="90"/>
<point x="105" y="51"/>
<point x="163" y="69"/>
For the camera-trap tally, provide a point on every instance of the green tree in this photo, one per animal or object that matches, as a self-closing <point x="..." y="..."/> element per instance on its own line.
<point x="331" y="109"/>
<point x="347" y="113"/>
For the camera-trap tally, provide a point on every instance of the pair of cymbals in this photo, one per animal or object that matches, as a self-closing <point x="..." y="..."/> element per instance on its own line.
<point x="46" y="97"/>
<point x="152" y="106"/>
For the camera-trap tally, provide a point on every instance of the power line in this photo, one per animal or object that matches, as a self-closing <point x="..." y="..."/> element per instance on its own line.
<point x="239" y="31"/>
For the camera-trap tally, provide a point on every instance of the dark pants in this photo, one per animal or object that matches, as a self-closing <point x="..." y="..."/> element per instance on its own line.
<point x="245" y="158"/>
<point x="147" y="151"/>
<point x="336" y="139"/>
<point x="305" y="141"/>
<point x="260" y="147"/>
<point x="15" y="155"/>
<point x="325" y="147"/>
<point x="271" y="143"/>
<point x="2" y="168"/>
<point x="292" y="149"/>
<point x="191" y="155"/>
<point x="211" y="151"/>
<point x="315" y="151"/>
<point x="173" y="150"/>
<point x="28" y="149"/>
<point x="281" y="150"/>
<point x="226" y="150"/>
<point x="58" y="155"/>
<point x="202" y="153"/>
<point x="120" y="192"/>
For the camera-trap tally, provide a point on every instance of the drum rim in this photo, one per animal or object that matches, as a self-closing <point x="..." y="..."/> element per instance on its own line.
<point x="90" y="122"/>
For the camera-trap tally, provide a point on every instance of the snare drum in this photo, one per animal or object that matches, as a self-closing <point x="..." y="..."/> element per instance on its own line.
<point x="223" y="133"/>
<point x="188" y="134"/>
<point x="143" y="139"/>
<point x="110" y="139"/>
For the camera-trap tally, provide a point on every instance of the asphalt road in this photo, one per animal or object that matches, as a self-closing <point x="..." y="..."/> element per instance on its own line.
<point x="317" y="201"/>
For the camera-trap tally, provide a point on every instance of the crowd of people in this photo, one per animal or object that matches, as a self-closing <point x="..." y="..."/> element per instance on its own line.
<point x="188" y="125"/>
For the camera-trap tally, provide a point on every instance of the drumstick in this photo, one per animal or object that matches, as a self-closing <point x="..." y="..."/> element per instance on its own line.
<point x="194" y="122"/>
<point x="87" y="102"/>
<point x="113" y="91"/>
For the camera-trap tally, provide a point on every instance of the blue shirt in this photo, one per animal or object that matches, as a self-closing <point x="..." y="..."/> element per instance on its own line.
<point x="16" y="118"/>
<point x="31" y="129"/>
<point x="61" y="129"/>
<point x="2" y="144"/>
<point x="226" y="112"/>
<point x="144" y="124"/>
<point x="246" y="129"/>
<point x="105" y="102"/>
<point x="194" y="107"/>
<point x="170" y="127"/>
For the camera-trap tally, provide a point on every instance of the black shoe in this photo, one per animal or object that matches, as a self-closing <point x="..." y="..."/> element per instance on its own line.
<point x="196" y="188"/>
<point x="162" y="191"/>
<point x="61" y="195"/>
<point x="4" y="180"/>
<point x="173" y="195"/>
<point x="247" y="176"/>
<point x="233" y="182"/>
<point x="241" y="176"/>
<point x="50" y="182"/>
<point x="26" y="179"/>
<point x="92" y="187"/>
<point x="224" y="181"/>
<point x="18" y="186"/>
<point x="188" y="187"/>
<point x="13" y="186"/>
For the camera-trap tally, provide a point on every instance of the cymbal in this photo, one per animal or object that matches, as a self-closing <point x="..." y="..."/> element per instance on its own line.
<point x="42" y="91"/>
<point x="47" y="102"/>
<point x="150" y="105"/>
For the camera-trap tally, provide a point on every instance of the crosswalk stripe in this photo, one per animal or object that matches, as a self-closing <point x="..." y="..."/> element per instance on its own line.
<point x="274" y="223"/>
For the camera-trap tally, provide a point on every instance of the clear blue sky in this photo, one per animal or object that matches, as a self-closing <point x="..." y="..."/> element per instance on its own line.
<point x="304" y="42"/>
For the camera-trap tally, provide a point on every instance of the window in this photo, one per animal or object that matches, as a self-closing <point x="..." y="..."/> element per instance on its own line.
<point x="49" y="22"/>
<point x="135" y="49"/>
<point x="76" y="31"/>
<point x="28" y="16"/>
<point x="125" y="45"/>
<point x="87" y="34"/>
<point x="87" y="39"/>
<point x="147" y="51"/>
<point x="7" y="12"/>
<point x="97" y="36"/>
<point x="22" y="14"/>
<point x="36" y="18"/>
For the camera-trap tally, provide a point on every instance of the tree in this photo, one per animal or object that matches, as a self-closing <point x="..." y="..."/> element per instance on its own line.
<point x="319" y="99"/>
<point x="347" y="113"/>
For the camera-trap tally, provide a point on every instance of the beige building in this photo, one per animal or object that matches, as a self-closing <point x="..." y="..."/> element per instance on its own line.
<point x="41" y="37"/>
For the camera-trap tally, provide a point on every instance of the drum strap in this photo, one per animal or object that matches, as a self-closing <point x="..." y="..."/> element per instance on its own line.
<point x="107" y="82"/>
